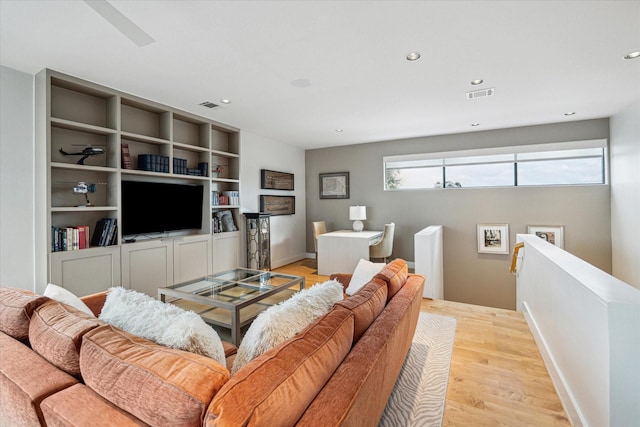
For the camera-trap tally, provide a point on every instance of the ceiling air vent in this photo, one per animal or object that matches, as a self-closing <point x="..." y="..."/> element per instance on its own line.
<point x="480" y="93"/>
<point x="208" y="104"/>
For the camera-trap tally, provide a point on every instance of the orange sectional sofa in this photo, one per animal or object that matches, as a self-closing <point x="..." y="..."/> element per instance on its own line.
<point x="62" y="367"/>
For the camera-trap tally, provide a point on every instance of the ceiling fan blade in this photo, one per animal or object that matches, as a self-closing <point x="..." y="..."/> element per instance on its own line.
<point x="121" y="22"/>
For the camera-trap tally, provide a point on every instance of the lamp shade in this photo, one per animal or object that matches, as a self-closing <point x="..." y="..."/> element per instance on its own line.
<point x="357" y="213"/>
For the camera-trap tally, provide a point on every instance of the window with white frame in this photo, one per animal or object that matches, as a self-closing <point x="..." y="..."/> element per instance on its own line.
<point x="566" y="163"/>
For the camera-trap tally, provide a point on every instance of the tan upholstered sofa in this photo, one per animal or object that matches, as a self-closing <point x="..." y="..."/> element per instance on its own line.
<point x="61" y="367"/>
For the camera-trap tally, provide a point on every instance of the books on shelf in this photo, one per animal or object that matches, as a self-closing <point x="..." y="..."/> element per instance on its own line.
<point x="225" y="198"/>
<point x="71" y="238"/>
<point x="153" y="163"/>
<point x="105" y="233"/>
<point x="126" y="156"/>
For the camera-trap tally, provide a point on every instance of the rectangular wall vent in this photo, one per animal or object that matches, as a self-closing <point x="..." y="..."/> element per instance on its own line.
<point x="480" y="93"/>
<point x="208" y="104"/>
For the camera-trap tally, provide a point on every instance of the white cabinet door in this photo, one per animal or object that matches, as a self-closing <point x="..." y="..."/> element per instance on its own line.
<point x="86" y="271"/>
<point x="191" y="258"/>
<point x="226" y="251"/>
<point x="147" y="266"/>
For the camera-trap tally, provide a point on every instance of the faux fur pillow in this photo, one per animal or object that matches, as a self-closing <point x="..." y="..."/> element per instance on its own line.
<point x="282" y="321"/>
<point x="165" y="324"/>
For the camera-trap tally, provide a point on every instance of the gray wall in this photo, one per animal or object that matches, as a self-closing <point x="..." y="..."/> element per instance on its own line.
<point x="17" y="258"/>
<point x="625" y="194"/>
<point x="468" y="276"/>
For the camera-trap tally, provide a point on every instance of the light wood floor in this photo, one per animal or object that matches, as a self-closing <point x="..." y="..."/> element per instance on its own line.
<point x="497" y="375"/>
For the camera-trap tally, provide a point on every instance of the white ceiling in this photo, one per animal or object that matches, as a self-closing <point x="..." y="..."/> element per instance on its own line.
<point x="544" y="58"/>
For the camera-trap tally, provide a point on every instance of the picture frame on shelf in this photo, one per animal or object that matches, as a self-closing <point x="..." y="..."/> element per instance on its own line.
<point x="553" y="234"/>
<point x="334" y="185"/>
<point x="493" y="238"/>
<point x="274" y="180"/>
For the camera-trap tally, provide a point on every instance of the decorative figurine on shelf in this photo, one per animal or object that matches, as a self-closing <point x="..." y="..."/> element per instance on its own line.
<point x="88" y="151"/>
<point x="218" y="169"/>
<point x="82" y="187"/>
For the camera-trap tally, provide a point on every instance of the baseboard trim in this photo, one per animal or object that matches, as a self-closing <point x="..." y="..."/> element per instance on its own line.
<point x="564" y="393"/>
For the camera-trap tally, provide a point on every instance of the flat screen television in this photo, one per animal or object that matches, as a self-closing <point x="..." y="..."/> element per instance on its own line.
<point x="155" y="207"/>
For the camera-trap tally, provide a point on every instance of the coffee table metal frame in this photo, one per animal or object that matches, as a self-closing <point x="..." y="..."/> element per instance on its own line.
<point x="231" y="290"/>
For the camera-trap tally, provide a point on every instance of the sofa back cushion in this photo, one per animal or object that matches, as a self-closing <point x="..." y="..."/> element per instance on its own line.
<point x="282" y="321"/>
<point x="158" y="385"/>
<point x="165" y="324"/>
<point x="366" y="305"/>
<point x="16" y="308"/>
<point x="395" y="275"/>
<point x="56" y="331"/>
<point x="276" y="387"/>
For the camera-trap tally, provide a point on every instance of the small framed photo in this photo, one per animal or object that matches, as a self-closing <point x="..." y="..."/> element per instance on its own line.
<point x="493" y="238"/>
<point x="553" y="234"/>
<point x="334" y="185"/>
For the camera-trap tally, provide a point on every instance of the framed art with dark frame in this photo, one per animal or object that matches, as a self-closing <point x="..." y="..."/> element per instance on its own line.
<point x="493" y="238"/>
<point x="553" y="234"/>
<point x="334" y="185"/>
<point x="278" y="205"/>
<point x="274" y="180"/>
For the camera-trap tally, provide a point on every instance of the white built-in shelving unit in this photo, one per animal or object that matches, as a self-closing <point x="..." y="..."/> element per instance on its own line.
<point x="73" y="114"/>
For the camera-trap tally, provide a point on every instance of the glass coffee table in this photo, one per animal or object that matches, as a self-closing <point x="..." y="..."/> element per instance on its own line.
<point x="233" y="298"/>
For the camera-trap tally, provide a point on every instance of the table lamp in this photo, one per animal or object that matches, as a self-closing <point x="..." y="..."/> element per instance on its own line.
<point x="357" y="214"/>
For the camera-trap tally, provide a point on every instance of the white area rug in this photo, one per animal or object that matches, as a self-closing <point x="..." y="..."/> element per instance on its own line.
<point x="419" y="395"/>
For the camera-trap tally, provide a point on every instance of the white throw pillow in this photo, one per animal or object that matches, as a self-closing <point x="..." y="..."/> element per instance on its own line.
<point x="280" y="322"/>
<point x="365" y="270"/>
<point x="62" y="295"/>
<point x="165" y="324"/>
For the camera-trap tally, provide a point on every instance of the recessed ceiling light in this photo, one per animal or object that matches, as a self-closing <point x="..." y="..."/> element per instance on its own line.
<point x="413" y="56"/>
<point x="225" y="101"/>
<point x="475" y="124"/>
<point x="301" y="83"/>
<point x="632" y="55"/>
<point x="477" y="82"/>
<point x="570" y="113"/>
<point x="339" y="130"/>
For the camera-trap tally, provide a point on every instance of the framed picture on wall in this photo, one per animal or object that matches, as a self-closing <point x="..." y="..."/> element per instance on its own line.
<point x="274" y="180"/>
<point x="278" y="205"/>
<point x="493" y="238"/>
<point x="553" y="234"/>
<point x="334" y="185"/>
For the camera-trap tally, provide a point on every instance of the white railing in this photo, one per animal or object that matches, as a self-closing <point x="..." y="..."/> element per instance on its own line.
<point x="587" y="326"/>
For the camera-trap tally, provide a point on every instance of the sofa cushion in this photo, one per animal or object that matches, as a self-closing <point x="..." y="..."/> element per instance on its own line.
<point x="61" y="294"/>
<point x="61" y="410"/>
<point x="366" y="305"/>
<point x="157" y="384"/>
<point x="162" y="323"/>
<point x="280" y="322"/>
<point x="364" y="272"/>
<point x="25" y="379"/>
<point x="16" y="307"/>
<point x="394" y="274"/>
<point x="280" y="384"/>
<point x="56" y="332"/>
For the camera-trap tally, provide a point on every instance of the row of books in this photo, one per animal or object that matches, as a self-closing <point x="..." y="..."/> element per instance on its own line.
<point x="69" y="238"/>
<point x="180" y="168"/>
<point x="216" y="226"/>
<point x="106" y="233"/>
<point x="225" y="198"/>
<point x="154" y="163"/>
<point x="157" y="163"/>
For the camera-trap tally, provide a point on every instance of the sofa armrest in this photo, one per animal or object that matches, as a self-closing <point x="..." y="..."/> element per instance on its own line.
<point x="343" y="278"/>
<point x="95" y="301"/>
